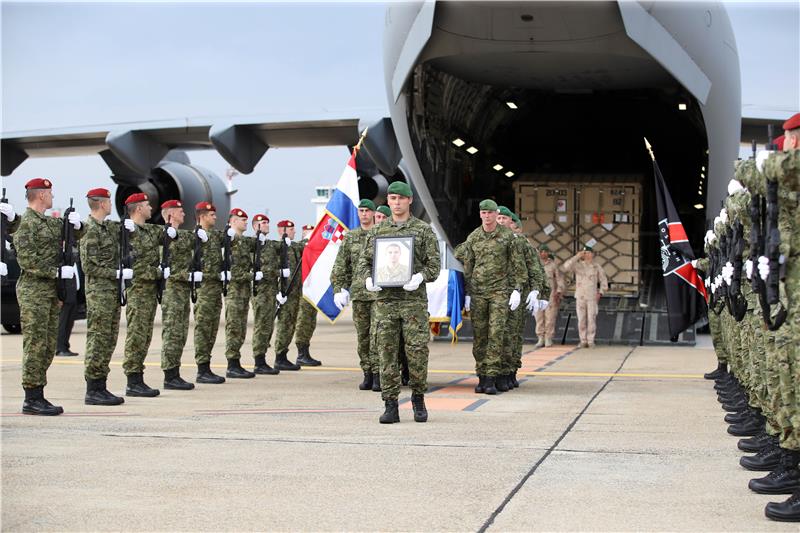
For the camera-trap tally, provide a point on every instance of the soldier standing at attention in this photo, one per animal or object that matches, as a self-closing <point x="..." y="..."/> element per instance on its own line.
<point x="264" y="297"/>
<point x="306" y="317"/>
<point x="100" y="250"/>
<point x="403" y="309"/>
<point x="546" y="318"/>
<point x="590" y="285"/>
<point x="382" y="213"/>
<point x="290" y="256"/>
<point x="347" y="286"/>
<point x="209" y="295"/>
<point x="38" y="244"/>
<point x="142" y="300"/>
<point x="494" y="275"/>
<point x="237" y="301"/>
<point x="175" y="300"/>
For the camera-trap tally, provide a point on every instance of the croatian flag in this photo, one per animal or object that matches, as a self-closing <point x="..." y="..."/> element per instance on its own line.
<point x="341" y="215"/>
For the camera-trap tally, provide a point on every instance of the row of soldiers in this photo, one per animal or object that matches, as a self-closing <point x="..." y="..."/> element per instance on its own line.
<point x="160" y="263"/>
<point x="752" y="268"/>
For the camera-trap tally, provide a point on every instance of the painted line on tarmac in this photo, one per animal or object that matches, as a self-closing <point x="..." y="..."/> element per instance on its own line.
<point x="489" y="521"/>
<point x="209" y="412"/>
<point x="3" y="415"/>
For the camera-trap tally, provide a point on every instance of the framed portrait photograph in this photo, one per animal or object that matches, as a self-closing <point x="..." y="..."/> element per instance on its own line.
<point x="393" y="262"/>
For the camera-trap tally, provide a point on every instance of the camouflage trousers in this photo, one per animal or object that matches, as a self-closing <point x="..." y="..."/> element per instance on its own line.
<point x="38" y="310"/>
<point x="263" y="319"/>
<point x="175" y="310"/>
<point x="514" y="324"/>
<point x="775" y="358"/>
<point x="102" y="326"/>
<point x="546" y="320"/>
<point x="489" y="315"/>
<point x="393" y="317"/>
<point x="306" y="323"/>
<point x="788" y="371"/>
<point x="362" y="314"/>
<point x="206" y="319"/>
<point x="714" y="327"/>
<point x="140" y="312"/>
<point x="237" y="304"/>
<point x="287" y="321"/>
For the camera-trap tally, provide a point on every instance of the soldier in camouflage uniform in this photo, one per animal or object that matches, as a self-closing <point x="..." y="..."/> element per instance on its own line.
<point x="237" y="301"/>
<point x="714" y="322"/>
<point x="494" y="274"/>
<point x="142" y="300"/>
<point x="403" y="308"/>
<point x="175" y="307"/>
<point x="37" y="240"/>
<point x="209" y="296"/>
<point x="264" y="297"/>
<point x="306" y="318"/>
<point x="100" y="252"/>
<point x="290" y="302"/>
<point x="347" y="287"/>
<point x="382" y="213"/>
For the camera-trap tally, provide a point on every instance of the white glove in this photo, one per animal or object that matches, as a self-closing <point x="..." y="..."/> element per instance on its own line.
<point x="75" y="219"/>
<point x="727" y="273"/>
<point x="202" y="234"/>
<point x="225" y="276"/>
<point x="8" y="210"/>
<point x="285" y="272"/>
<point x="129" y="224"/>
<point x="532" y="297"/>
<point x="259" y="276"/>
<point x="534" y="307"/>
<point x="281" y="298"/>
<point x="171" y="232"/>
<point x="67" y="272"/>
<point x="197" y="277"/>
<point x="543" y="304"/>
<point x="513" y="301"/>
<point x="748" y="268"/>
<point x="341" y="299"/>
<point x="3" y="269"/>
<point x="414" y="283"/>
<point x="763" y="267"/>
<point x="165" y="273"/>
<point x="127" y="273"/>
<point x="371" y="287"/>
<point x="708" y="282"/>
<point x="694" y="263"/>
<point x="734" y="186"/>
<point x="723" y="215"/>
<point x="231" y="233"/>
<point x="288" y="241"/>
<point x="262" y="237"/>
<point x="467" y="302"/>
<point x="760" y="158"/>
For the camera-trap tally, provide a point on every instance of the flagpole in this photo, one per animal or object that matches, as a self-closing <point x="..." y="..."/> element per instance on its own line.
<point x="646" y="143"/>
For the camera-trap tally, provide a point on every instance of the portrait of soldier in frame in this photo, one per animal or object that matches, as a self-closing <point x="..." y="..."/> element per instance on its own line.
<point x="393" y="261"/>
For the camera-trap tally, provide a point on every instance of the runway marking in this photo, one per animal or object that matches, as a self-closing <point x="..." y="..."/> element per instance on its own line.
<point x="2" y="415"/>
<point x="434" y="403"/>
<point x="213" y="412"/>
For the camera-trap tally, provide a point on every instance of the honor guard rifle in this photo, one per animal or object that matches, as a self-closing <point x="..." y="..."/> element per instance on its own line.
<point x="257" y="261"/>
<point x="773" y="253"/>
<point x="165" y="261"/>
<point x="68" y="288"/>
<point x="289" y="287"/>
<point x="227" y="259"/>
<point x="125" y="261"/>
<point x="284" y="261"/>
<point x="4" y="235"/>
<point x="737" y="304"/>
<point x="196" y="264"/>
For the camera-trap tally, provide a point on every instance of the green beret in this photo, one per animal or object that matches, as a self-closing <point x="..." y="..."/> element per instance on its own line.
<point x="516" y="219"/>
<point x="369" y="204"/>
<point x="385" y="210"/>
<point x="400" y="187"/>
<point x="488" y="205"/>
<point x="587" y="248"/>
<point x="544" y="248"/>
<point x="505" y="211"/>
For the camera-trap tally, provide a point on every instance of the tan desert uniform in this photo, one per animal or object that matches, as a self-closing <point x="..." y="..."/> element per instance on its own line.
<point x="546" y="320"/>
<point x="587" y="278"/>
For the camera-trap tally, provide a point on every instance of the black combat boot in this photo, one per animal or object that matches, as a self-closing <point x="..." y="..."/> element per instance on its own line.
<point x="137" y="387"/>
<point x="756" y="443"/>
<point x="36" y="404"/>
<point x="722" y="369"/>
<point x="479" y="388"/>
<point x="376" y="382"/>
<point x="765" y="460"/>
<point x="488" y="385"/>
<point x="96" y="394"/>
<point x="734" y="407"/>
<point x="304" y="357"/>
<point x="174" y="381"/>
<point x="367" y="383"/>
<point x="788" y="511"/>
<point x="262" y="367"/>
<point x="205" y="375"/>
<point x="391" y="415"/>
<point x="784" y="479"/>
<point x="501" y="383"/>
<point x="738" y="416"/>
<point x="282" y="363"/>
<point x="235" y="370"/>
<point x="749" y="428"/>
<point x="420" y="412"/>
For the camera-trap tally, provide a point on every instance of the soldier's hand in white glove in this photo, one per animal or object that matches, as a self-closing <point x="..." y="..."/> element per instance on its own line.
<point x="285" y="272"/>
<point x="763" y="267"/>
<point x="259" y="276"/>
<point x="414" y="283"/>
<point x="67" y="272"/>
<point x="694" y="263"/>
<point x="532" y="297"/>
<point x="165" y="273"/>
<point x="3" y="269"/>
<point x="513" y="301"/>
<point x="172" y="232"/>
<point x="127" y="273"/>
<point x="288" y="241"/>
<point x="8" y="210"/>
<point x="543" y="304"/>
<point x="262" y="237"/>
<point x="371" y="287"/>
<point x="197" y="277"/>
<point x="467" y="302"/>
<point x="281" y="298"/>
<point x="341" y="298"/>
<point x="231" y="233"/>
<point x="129" y="224"/>
<point x="534" y="307"/>
<point x="225" y="276"/>
<point x="748" y="268"/>
<point x="75" y="219"/>
<point x="202" y="234"/>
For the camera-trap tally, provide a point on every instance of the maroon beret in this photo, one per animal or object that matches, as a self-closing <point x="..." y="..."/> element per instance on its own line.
<point x="136" y="198"/>
<point x="98" y="193"/>
<point x="39" y="183"/>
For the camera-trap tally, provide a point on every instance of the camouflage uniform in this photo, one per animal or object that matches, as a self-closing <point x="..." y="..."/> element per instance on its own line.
<point x="493" y="267"/>
<point x="209" y="298"/>
<point x="37" y="240"/>
<point x="714" y="322"/>
<point x="399" y="311"/>
<point x="288" y="317"/>
<point x="534" y="280"/>
<point x="587" y="278"/>
<point x="264" y="303"/>
<point x="546" y="320"/>
<point x="344" y="276"/>
<point x="237" y="302"/>
<point x="100" y="252"/>
<point x="306" y="324"/>
<point x="175" y="307"/>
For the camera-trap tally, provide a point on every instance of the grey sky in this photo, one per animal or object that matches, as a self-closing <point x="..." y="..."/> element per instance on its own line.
<point x="77" y="64"/>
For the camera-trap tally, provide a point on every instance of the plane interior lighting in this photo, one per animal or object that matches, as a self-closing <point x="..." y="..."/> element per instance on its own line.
<point x="512" y="105"/>
<point x="498" y="166"/>
<point x="509" y="174"/>
<point x="472" y="150"/>
<point x="459" y="142"/>
<point x="681" y="107"/>
<point x="698" y="206"/>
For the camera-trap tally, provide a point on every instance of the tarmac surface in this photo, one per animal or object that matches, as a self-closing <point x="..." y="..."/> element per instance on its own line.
<point x="613" y="438"/>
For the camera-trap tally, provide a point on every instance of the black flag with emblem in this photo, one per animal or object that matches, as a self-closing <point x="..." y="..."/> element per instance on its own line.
<point x="685" y="291"/>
